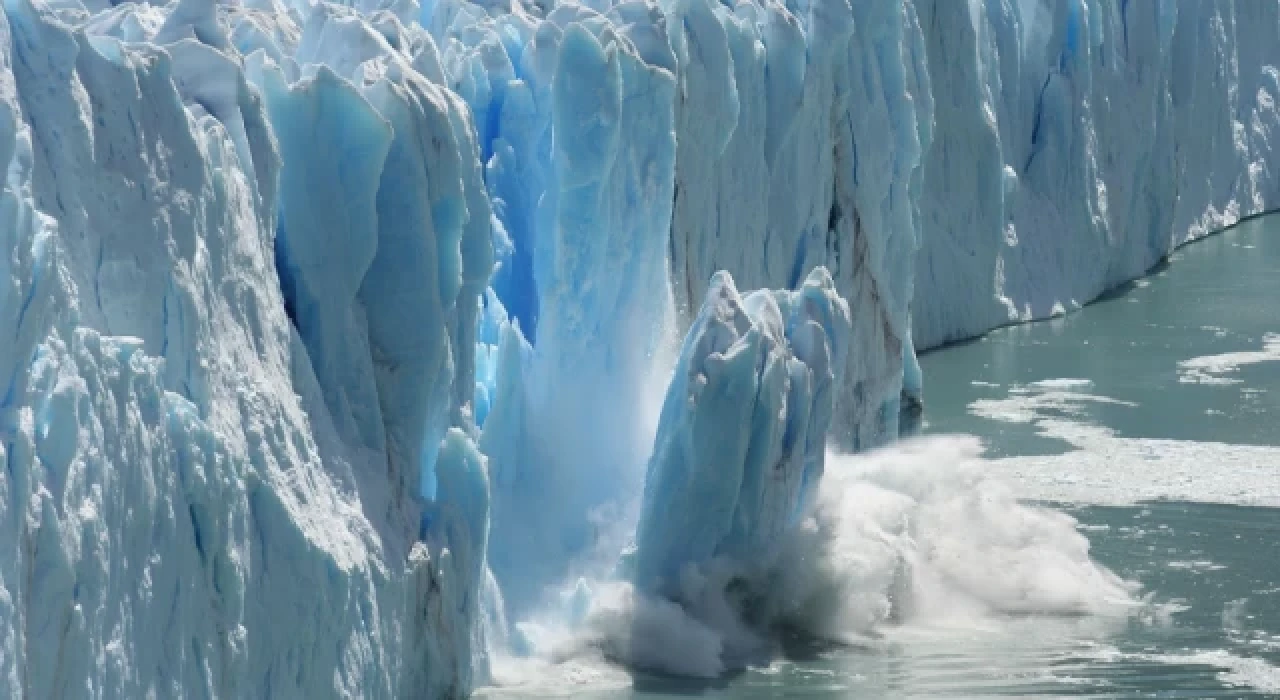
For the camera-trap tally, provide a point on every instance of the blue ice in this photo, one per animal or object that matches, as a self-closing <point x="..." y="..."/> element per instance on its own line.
<point x="355" y="330"/>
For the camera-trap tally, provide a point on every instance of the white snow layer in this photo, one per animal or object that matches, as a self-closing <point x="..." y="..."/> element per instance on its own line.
<point x="316" y="313"/>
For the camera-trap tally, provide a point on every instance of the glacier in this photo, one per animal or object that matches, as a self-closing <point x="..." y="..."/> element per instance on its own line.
<point x="1105" y="134"/>
<point x="343" y="335"/>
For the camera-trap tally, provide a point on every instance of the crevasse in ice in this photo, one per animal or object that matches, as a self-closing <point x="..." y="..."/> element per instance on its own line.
<point x="337" y="334"/>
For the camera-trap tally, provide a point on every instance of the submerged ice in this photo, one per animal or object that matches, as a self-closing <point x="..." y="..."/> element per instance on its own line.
<point x="342" y="335"/>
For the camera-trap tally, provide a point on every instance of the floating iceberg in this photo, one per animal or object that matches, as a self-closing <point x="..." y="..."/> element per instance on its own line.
<point x="337" y="333"/>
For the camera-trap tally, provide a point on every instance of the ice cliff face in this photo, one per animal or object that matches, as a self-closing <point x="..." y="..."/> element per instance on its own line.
<point x="338" y="333"/>
<point x="224" y="370"/>
<point x="1077" y="143"/>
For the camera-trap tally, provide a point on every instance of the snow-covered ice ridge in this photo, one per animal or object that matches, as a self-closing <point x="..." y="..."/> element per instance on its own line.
<point x="316" y="314"/>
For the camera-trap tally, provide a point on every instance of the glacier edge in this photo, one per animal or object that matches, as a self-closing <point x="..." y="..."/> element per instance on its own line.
<point x="314" y="306"/>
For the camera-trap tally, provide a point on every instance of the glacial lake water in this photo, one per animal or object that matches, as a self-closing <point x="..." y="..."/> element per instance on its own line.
<point x="1153" y="418"/>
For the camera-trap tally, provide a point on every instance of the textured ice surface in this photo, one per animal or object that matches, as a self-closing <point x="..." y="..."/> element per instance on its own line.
<point x="1077" y="143"/>
<point x="229" y="353"/>
<point x="317" y="312"/>
<point x="741" y="442"/>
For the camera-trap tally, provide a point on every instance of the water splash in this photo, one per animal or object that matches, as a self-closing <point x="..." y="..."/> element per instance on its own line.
<point x="913" y="536"/>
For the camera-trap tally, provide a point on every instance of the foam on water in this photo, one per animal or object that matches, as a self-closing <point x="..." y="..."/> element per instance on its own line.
<point x="1209" y="369"/>
<point x="1028" y="404"/>
<point x="1102" y="467"/>
<point x="1237" y="671"/>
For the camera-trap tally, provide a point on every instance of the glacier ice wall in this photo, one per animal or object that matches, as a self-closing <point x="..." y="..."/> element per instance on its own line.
<point x="232" y="298"/>
<point x="339" y="330"/>
<point x="583" y="279"/>
<point x="797" y="143"/>
<point x="1078" y="142"/>
<point x="632" y="151"/>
